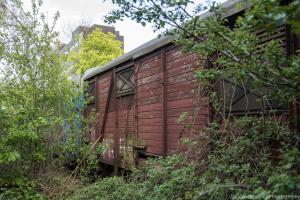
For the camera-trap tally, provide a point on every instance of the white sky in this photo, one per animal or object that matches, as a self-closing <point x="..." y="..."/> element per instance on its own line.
<point x="74" y="12"/>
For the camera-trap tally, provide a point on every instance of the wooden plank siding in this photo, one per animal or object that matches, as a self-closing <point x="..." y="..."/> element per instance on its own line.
<point x="181" y="97"/>
<point x="149" y="102"/>
<point x="165" y="87"/>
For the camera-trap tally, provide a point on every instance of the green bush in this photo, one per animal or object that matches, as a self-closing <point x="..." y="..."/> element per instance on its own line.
<point x="21" y="189"/>
<point x="112" y="188"/>
<point x="254" y="158"/>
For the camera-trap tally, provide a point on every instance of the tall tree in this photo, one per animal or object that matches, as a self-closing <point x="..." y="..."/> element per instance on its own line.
<point x="234" y="48"/>
<point x="33" y="94"/>
<point x="98" y="48"/>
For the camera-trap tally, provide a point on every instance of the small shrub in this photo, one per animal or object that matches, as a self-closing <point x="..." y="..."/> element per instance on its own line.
<point x="112" y="188"/>
<point x="21" y="189"/>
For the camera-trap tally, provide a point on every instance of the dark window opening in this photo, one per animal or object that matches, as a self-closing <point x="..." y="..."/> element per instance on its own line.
<point x="238" y="99"/>
<point x="125" y="82"/>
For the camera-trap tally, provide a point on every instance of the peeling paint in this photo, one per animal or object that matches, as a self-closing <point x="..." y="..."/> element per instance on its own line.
<point x="128" y="154"/>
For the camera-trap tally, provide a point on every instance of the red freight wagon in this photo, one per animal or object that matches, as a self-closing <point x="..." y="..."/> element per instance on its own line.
<point x="139" y="98"/>
<point x="141" y="95"/>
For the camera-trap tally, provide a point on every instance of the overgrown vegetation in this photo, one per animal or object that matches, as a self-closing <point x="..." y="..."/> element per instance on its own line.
<point x="241" y="162"/>
<point x="249" y="157"/>
<point x="34" y="95"/>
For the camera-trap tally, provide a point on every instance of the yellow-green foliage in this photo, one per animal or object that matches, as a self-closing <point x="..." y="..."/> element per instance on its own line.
<point x="98" y="48"/>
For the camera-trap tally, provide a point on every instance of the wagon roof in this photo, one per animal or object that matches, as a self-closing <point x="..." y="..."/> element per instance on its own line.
<point x="156" y="43"/>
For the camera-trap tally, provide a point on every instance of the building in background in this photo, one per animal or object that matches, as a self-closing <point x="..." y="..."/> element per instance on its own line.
<point x="83" y="32"/>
